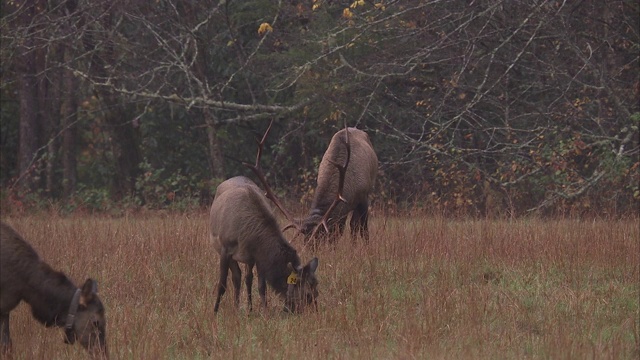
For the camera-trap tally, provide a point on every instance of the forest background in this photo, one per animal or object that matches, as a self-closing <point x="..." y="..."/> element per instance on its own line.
<point x="475" y="108"/>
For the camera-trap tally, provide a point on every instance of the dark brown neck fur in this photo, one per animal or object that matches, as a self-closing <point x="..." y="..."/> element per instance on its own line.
<point x="273" y="264"/>
<point x="47" y="291"/>
<point x="51" y="299"/>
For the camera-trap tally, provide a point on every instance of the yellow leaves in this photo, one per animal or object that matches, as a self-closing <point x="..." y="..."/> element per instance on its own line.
<point x="580" y="102"/>
<point x="336" y="115"/>
<point x="410" y="24"/>
<point x="89" y="103"/>
<point x="477" y="176"/>
<point x="264" y="28"/>
<point x="316" y="5"/>
<point x="348" y="14"/>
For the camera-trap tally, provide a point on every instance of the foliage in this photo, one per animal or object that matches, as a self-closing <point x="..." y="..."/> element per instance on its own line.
<point x="8" y="136"/>
<point x="485" y="109"/>
<point x="156" y="190"/>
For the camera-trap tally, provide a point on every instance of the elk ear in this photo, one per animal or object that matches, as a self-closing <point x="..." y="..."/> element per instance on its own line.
<point x="89" y="291"/>
<point x="313" y="265"/>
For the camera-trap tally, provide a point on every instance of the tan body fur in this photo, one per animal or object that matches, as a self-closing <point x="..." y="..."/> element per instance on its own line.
<point x="359" y="182"/>
<point x="243" y="229"/>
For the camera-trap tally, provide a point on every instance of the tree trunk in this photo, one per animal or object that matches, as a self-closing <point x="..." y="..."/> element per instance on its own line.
<point x="28" y="88"/>
<point x="69" y="117"/>
<point x="28" y="124"/>
<point x="125" y="149"/>
<point x="124" y="140"/>
<point x="49" y="105"/>
<point x="216" y="161"/>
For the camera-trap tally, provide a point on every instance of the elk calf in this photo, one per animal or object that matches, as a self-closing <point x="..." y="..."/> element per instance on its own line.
<point x="54" y="299"/>
<point x="355" y="155"/>
<point x="243" y="229"/>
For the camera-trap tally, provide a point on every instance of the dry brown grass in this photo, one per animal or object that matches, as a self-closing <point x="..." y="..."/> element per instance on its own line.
<point x="423" y="288"/>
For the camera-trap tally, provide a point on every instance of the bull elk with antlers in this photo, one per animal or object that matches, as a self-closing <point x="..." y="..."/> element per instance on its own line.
<point x="346" y="177"/>
<point x="243" y="229"/>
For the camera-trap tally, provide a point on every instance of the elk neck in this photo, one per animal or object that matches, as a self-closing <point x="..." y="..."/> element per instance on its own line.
<point x="50" y="296"/>
<point x="273" y="265"/>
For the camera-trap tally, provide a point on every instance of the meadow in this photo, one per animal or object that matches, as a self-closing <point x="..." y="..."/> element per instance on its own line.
<point x="424" y="287"/>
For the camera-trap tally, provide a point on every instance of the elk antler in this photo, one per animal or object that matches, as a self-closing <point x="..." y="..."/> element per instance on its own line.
<point x="342" y="170"/>
<point x="257" y="169"/>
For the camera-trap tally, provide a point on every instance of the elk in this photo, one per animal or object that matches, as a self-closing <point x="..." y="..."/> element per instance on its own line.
<point x="54" y="299"/>
<point x="243" y="229"/>
<point x="346" y="177"/>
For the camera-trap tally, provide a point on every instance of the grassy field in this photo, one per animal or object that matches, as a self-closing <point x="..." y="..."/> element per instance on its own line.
<point x="423" y="288"/>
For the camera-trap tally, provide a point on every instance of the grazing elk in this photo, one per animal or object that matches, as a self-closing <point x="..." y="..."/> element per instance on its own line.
<point x="350" y="183"/>
<point x="54" y="299"/>
<point x="243" y="229"/>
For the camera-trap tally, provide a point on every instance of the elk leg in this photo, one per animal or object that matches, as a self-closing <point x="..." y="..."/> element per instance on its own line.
<point x="262" y="289"/>
<point x="222" y="282"/>
<point x="359" y="221"/>
<point x="341" y="223"/>
<point x="5" y="337"/>
<point x="364" y="230"/>
<point x="236" y="278"/>
<point x="248" y="280"/>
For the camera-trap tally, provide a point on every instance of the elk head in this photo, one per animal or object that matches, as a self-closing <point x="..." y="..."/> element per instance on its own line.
<point x="302" y="287"/>
<point x="86" y="321"/>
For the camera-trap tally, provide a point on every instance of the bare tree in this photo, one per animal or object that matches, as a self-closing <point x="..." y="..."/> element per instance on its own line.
<point x="482" y="107"/>
<point x="535" y="101"/>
